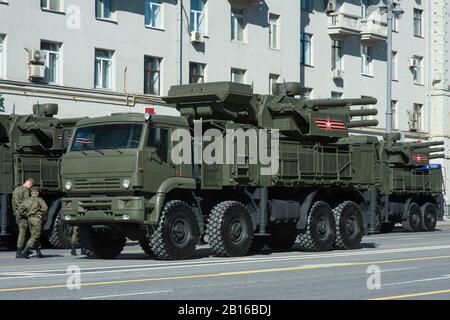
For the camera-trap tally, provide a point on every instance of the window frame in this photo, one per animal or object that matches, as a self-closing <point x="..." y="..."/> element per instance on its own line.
<point x="194" y="25"/>
<point x="277" y="33"/>
<point x="201" y="75"/>
<point x="306" y="38"/>
<point x="235" y="23"/>
<point x="58" y="55"/>
<point x="337" y="50"/>
<point x="149" y="6"/>
<point x="3" y="52"/>
<point x="242" y="71"/>
<point x="418" y="22"/>
<point x="149" y="74"/>
<point x="46" y="6"/>
<point x="394" y="65"/>
<point x="102" y="10"/>
<point x="273" y="78"/>
<point x="364" y="54"/>
<point x="419" y="127"/>
<point x="102" y="60"/>
<point x="418" y="70"/>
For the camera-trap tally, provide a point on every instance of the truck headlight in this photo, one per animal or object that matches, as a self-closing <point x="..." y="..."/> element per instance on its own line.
<point x="126" y="184"/>
<point x="68" y="185"/>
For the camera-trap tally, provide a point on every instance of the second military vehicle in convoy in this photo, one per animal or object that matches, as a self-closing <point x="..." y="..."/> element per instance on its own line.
<point x="296" y="174"/>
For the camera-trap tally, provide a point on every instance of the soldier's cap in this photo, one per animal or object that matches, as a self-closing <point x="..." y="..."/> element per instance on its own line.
<point x="35" y="189"/>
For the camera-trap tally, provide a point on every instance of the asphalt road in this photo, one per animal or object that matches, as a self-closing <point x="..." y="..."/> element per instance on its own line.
<point x="407" y="265"/>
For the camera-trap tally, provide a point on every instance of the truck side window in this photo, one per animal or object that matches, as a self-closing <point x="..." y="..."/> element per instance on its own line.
<point x="158" y="138"/>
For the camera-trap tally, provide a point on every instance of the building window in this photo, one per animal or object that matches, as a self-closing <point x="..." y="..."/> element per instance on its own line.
<point x="153" y="14"/>
<point x="103" y="69"/>
<point x="53" y="5"/>
<point x="417" y="70"/>
<point x="394" y="114"/>
<point x="418" y="23"/>
<point x="152" y="76"/>
<point x="198" y="16"/>
<point x="52" y="61"/>
<point x="395" y="22"/>
<point x="196" y="72"/>
<point x="238" y="75"/>
<point x="416" y="121"/>
<point x="394" y="66"/>
<point x="2" y="55"/>
<point x="305" y="52"/>
<point x="336" y="95"/>
<point x="273" y="78"/>
<point x="306" y="5"/>
<point x="336" y="55"/>
<point x="366" y="60"/>
<point x="274" y="31"/>
<point x="103" y="9"/>
<point x="306" y="93"/>
<point x="237" y="24"/>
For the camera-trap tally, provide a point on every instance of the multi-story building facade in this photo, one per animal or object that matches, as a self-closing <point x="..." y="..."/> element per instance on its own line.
<point x="104" y="56"/>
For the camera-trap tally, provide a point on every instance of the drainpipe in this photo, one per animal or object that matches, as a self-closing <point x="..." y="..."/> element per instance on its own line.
<point x="429" y="65"/>
<point x="180" y="43"/>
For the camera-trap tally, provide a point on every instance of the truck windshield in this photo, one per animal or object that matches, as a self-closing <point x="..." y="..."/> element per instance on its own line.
<point x="109" y="136"/>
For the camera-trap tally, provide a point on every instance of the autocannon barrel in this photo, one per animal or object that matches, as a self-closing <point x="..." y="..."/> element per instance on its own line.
<point x="432" y="150"/>
<point x="426" y="144"/>
<point x="341" y="102"/>
<point x="363" y="123"/>
<point x="363" y="112"/>
<point x="437" y="156"/>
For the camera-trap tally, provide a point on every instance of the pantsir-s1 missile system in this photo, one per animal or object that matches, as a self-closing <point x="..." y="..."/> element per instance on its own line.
<point x="240" y="171"/>
<point x="31" y="146"/>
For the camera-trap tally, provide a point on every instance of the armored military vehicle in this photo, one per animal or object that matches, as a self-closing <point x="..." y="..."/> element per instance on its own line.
<point x="31" y="146"/>
<point x="123" y="176"/>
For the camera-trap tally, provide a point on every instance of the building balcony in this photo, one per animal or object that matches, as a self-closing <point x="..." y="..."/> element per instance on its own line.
<point x="373" y="30"/>
<point x="343" y="25"/>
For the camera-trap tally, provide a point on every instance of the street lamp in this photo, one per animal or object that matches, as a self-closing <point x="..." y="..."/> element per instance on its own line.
<point x="392" y="9"/>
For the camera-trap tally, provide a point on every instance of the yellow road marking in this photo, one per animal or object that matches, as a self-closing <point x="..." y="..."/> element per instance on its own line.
<point x="413" y="295"/>
<point x="226" y="274"/>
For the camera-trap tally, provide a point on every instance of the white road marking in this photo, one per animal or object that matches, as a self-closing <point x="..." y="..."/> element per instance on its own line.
<point x="399" y="269"/>
<point x="126" y="294"/>
<point x="218" y="262"/>
<point x="444" y="277"/>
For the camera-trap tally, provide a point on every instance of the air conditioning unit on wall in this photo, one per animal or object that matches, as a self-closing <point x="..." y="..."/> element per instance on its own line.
<point x="197" y="37"/>
<point x="36" y="65"/>
<point x="331" y="6"/>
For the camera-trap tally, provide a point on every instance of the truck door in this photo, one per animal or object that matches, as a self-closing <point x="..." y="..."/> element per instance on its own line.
<point x="157" y="161"/>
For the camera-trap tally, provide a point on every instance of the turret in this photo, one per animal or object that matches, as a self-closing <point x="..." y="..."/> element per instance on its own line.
<point x="300" y="118"/>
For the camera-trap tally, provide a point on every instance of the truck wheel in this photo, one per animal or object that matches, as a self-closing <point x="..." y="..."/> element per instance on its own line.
<point x="177" y="233"/>
<point x="320" y="230"/>
<point x="100" y="243"/>
<point x="61" y="235"/>
<point x="429" y="217"/>
<point x="230" y="229"/>
<point x="414" y="221"/>
<point x="282" y="237"/>
<point x="349" y="225"/>
<point x="145" y="246"/>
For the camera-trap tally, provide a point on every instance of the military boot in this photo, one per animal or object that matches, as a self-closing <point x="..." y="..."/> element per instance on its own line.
<point x="39" y="253"/>
<point x="25" y="253"/>
<point x="74" y="250"/>
<point x="18" y="253"/>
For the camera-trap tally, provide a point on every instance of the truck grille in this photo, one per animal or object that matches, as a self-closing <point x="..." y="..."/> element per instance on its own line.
<point x="97" y="184"/>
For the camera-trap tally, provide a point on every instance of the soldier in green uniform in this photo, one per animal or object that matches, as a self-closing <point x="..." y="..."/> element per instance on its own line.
<point x="20" y="194"/>
<point x="74" y="240"/>
<point x="35" y="209"/>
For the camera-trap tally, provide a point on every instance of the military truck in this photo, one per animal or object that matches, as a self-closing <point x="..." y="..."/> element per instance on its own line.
<point x="123" y="180"/>
<point x="31" y="146"/>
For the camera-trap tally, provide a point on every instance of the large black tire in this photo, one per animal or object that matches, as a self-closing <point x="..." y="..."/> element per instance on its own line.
<point x="61" y="234"/>
<point x="282" y="237"/>
<point x="100" y="243"/>
<point x="320" y="230"/>
<point x="349" y="225"/>
<point x="146" y="247"/>
<point x="387" y="227"/>
<point x="429" y="216"/>
<point x="413" y="223"/>
<point x="177" y="233"/>
<point x="230" y="229"/>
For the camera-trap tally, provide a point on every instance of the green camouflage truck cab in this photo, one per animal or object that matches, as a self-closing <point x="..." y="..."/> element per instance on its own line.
<point x="31" y="146"/>
<point x="236" y="170"/>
